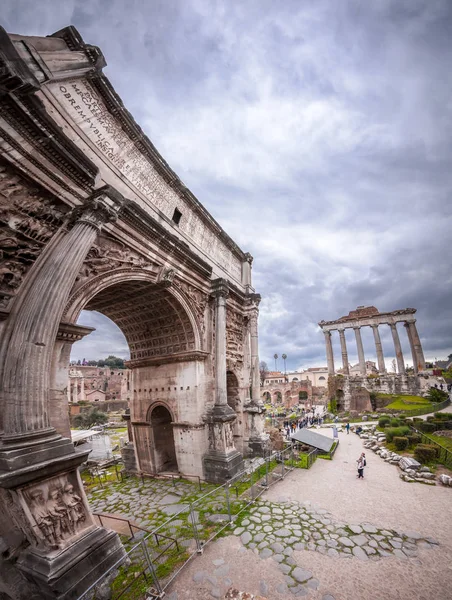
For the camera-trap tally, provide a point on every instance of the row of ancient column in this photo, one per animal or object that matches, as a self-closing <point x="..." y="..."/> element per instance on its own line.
<point x="413" y="338"/>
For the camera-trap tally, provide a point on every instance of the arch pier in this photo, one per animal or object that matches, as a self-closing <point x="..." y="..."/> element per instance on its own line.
<point x="93" y="218"/>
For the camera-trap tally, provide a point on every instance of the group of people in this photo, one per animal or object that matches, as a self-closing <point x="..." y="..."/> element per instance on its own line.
<point x="291" y="427"/>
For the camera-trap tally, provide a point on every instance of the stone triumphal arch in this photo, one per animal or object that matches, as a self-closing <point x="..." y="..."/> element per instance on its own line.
<point x="93" y="218"/>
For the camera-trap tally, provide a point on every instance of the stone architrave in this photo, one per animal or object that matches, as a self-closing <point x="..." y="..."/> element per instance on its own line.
<point x="379" y="348"/>
<point x="398" y="349"/>
<point x="329" y="352"/>
<point x="222" y="460"/>
<point x="359" y="345"/>
<point x="54" y="513"/>
<point x="344" y="353"/>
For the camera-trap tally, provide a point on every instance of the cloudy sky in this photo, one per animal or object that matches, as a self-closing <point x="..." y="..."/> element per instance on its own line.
<point x="319" y="135"/>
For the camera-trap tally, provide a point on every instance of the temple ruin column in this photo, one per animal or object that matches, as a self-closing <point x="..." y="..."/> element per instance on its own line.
<point x="345" y="366"/>
<point x="417" y="345"/>
<point x="359" y="345"/>
<point x="413" y="350"/>
<point x="329" y="352"/>
<point x="398" y="348"/>
<point x="379" y="348"/>
<point x="222" y="460"/>
<point x="82" y="389"/>
<point x="37" y="465"/>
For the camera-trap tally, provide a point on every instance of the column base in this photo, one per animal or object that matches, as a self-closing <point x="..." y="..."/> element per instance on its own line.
<point x="71" y="571"/>
<point x="129" y="458"/>
<point x="258" y="445"/>
<point x="220" y="467"/>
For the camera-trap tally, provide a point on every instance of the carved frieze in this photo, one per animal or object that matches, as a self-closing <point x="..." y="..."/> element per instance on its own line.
<point x="197" y="299"/>
<point x="235" y="326"/>
<point x="28" y="220"/>
<point x="109" y="255"/>
<point x="54" y="511"/>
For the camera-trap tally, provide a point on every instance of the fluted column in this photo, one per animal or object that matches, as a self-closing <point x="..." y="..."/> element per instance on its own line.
<point x="413" y="350"/>
<point x="379" y="348"/>
<point x="329" y="352"/>
<point x="28" y="341"/>
<point x="359" y="345"/>
<point x="417" y="345"/>
<point x="254" y="339"/>
<point x="398" y="348"/>
<point x="220" y="291"/>
<point x="344" y="352"/>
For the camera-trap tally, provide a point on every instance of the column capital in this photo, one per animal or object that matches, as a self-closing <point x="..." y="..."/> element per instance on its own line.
<point x="375" y="325"/>
<point x="248" y="258"/>
<point x="410" y="322"/>
<point x="102" y="207"/>
<point x="327" y="333"/>
<point x="220" y="288"/>
<point x="254" y="300"/>
<point x="356" y="327"/>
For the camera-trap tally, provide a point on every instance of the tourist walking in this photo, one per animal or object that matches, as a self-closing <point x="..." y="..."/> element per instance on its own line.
<point x="361" y="464"/>
<point x="347" y="427"/>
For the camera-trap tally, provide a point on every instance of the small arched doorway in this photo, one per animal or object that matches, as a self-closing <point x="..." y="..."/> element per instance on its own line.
<point x="340" y="401"/>
<point x="163" y="437"/>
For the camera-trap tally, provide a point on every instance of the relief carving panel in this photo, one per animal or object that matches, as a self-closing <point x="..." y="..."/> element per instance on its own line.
<point x="28" y="220"/>
<point x="55" y="511"/>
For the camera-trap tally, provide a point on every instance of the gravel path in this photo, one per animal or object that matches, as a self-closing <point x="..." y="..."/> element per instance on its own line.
<point x="331" y="491"/>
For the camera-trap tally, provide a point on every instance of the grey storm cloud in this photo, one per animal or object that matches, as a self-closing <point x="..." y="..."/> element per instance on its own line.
<point x="317" y="133"/>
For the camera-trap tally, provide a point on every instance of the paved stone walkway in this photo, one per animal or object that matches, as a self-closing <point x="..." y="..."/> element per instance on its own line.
<point x="325" y="535"/>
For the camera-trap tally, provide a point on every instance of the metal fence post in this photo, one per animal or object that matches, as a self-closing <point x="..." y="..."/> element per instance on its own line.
<point x="195" y="530"/>
<point x="228" y="503"/>
<point x="266" y="472"/>
<point x="282" y="466"/>
<point x="151" y="568"/>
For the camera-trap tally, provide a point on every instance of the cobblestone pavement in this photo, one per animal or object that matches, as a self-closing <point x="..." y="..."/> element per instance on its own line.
<point x="325" y="535"/>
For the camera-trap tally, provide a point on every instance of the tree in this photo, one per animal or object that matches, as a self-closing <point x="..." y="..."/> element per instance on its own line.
<point x="263" y="371"/>
<point x="276" y="358"/>
<point x="284" y="356"/>
<point x="302" y="395"/>
<point x="90" y="418"/>
<point x="114" y="362"/>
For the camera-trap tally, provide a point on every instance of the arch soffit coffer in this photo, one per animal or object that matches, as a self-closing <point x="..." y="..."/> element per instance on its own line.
<point x="99" y="283"/>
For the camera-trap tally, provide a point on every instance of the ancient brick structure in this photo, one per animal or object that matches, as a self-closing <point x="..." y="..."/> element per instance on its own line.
<point x="93" y="218"/>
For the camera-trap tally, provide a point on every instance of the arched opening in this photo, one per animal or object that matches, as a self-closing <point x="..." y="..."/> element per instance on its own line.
<point x="158" y="328"/>
<point x="267" y="397"/>
<point x="165" y="459"/>
<point x="322" y="378"/>
<point x="340" y="401"/>
<point x="277" y="396"/>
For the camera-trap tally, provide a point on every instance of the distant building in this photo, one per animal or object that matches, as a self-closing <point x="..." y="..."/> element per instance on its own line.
<point x="371" y="369"/>
<point x="318" y="376"/>
<point x="275" y="377"/>
<point x="444" y="365"/>
<point x="97" y="384"/>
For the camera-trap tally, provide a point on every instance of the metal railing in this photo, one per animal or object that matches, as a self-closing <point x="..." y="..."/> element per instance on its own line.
<point x="154" y="565"/>
<point x="444" y="455"/>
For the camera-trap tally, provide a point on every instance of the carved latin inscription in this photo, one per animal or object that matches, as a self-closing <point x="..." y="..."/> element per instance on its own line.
<point x="88" y="110"/>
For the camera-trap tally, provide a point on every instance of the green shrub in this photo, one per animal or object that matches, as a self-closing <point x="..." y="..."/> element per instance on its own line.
<point x="425" y="453"/>
<point x="435" y="395"/>
<point x="427" y="427"/>
<point x="395" y="422"/>
<point x="383" y="421"/>
<point x="401" y="443"/>
<point x="402" y="417"/>
<point x="414" y="438"/>
<point x="430" y="419"/>
<point x="392" y="432"/>
<point x="418" y="420"/>
<point x="441" y="415"/>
